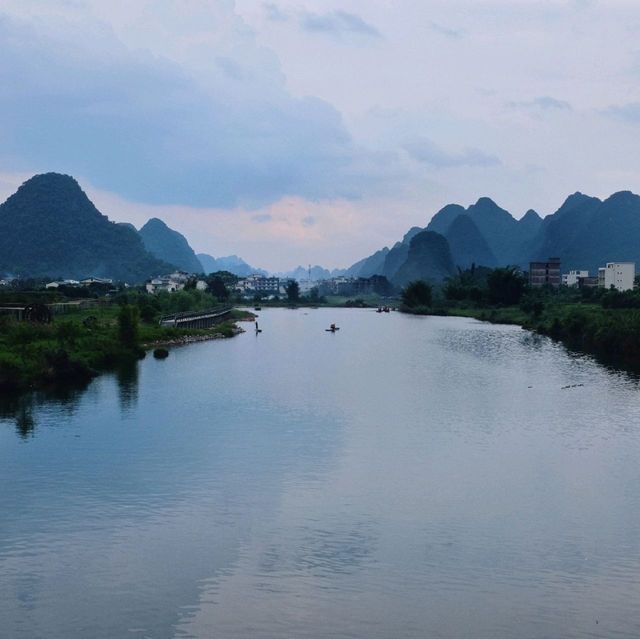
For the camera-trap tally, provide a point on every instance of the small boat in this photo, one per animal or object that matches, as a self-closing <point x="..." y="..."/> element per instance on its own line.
<point x="257" y="308"/>
<point x="332" y="329"/>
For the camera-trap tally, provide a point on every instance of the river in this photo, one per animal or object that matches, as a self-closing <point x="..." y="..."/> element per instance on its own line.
<point x="404" y="477"/>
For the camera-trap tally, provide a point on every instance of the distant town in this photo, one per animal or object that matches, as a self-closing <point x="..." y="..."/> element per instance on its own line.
<point x="618" y="275"/>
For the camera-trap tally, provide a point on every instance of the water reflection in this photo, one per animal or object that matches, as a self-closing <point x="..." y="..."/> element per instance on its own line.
<point x="127" y="375"/>
<point x="405" y="477"/>
<point x="23" y="409"/>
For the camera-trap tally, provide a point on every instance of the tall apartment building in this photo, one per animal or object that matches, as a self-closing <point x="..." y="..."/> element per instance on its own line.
<point x="620" y="275"/>
<point x="545" y="273"/>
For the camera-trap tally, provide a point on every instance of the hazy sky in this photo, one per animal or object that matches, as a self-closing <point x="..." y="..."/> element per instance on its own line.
<point x="318" y="132"/>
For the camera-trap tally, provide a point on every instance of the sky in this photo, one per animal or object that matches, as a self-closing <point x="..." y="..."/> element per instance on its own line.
<point x="297" y="132"/>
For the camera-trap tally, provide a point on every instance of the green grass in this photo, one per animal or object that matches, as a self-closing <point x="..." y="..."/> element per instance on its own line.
<point x="76" y="346"/>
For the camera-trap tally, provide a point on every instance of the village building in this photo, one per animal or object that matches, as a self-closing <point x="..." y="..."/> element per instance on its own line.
<point x="545" y="273"/>
<point x="259" y="284"/>
<point x="171" y="283"/>
<point x="572" y="278"/>
<point x="619" y="275"/>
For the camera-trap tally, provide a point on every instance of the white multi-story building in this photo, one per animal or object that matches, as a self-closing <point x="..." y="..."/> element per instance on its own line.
<point x="572" y="278"/>
<point x="170" y="283"/>
<point x="620" y="275"/>
<point x="259" y="284"/>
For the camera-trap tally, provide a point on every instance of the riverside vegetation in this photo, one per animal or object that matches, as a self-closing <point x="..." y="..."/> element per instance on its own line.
<point x="605" y="323"/>
<point x="74" y="347"/>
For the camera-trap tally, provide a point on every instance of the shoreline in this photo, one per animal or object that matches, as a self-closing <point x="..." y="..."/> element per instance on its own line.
<point x="68" y="365"/>
<point x="601" y="334"/>
<point x="183" y="340"/>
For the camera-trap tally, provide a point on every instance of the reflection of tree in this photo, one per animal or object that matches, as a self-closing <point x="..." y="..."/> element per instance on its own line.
<point x="25" y="424"/>
<point x="127" y="375"/>
<point x="23" y="407"/>
<point x="20" y="408"/>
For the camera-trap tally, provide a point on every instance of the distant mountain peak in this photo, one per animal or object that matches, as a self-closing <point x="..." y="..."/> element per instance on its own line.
<point x="60" y="179"/>
<point x="428" y="258"/>
<point x="441" y="221"/>
<point x="169" y="245"/>
<point x="155" y="221"/>
<point x="622" y="196"/>
<point x="531" y="214"/>
<point x="58" y="188"/>
<point x="467" y="244"/>
<point x="486" y="202"/>
<point x="231" y="263"/>
<point x="411" y="233"/>
<point x="576" y="198"/>
<point x="50" y="227"/>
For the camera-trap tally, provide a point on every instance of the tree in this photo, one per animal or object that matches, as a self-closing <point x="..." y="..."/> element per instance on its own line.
<point x="293" y="291"/>
<point x="128" y="326"/>
<point x="216" y="286"/>
<point x="148" y="313"/>
<point x="230" y="280"/>
<point x="506" y="286"/>
<point x="417" y="293"/>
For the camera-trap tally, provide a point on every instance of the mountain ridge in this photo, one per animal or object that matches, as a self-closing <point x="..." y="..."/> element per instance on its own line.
<point x="168" y="245"/>
<point x="49" y="227"/>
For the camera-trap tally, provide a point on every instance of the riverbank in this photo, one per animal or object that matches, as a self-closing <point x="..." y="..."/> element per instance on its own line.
<point x="222" y="331"/>
<point x="610" y="334"/>
<point x="329" y="301"/>
<point x="73" y="349"/>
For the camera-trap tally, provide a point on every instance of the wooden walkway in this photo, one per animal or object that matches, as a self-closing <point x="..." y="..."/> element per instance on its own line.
<point x="57" y="308"/>
<point x="197" y="319"/>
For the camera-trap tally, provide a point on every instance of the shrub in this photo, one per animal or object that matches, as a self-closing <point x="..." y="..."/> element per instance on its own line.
<point x="128" y="328"/>
<point x="417" y="294"/>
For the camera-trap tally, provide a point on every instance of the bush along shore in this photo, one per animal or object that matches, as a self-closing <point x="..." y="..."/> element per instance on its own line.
<point x="74" y="348"/>
<point x="604" y="323"/>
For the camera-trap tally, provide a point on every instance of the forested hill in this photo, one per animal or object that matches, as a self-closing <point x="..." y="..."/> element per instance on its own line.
<point x="50" y="227"/>
<point x="585" y="233"/>
<point x="169" y="245"/>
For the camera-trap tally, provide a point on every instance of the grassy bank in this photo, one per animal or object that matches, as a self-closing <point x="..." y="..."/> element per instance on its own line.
<point x="605" y="323"/>
<point x="74" y="348"/>
<point x="613" y="335"/>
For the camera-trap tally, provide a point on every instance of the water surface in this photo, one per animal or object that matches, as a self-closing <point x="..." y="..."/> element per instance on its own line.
<point x="404" y="477"/>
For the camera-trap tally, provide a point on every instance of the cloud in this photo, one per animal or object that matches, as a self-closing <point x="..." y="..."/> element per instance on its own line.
<point x="446" y="31"/>
<point x="76" y="99"/>
<point x="427" y="152"/>
<point x="543" y="103"/>
<point x="629" y="113"/>
<point x="338" y="24"/>
<point x="308" y="221"/>
<point x="274" y="13"/>
<point x="262" y="218"/>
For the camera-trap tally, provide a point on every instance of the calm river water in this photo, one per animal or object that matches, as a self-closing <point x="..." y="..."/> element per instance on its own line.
<point x="404" y="477"/>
